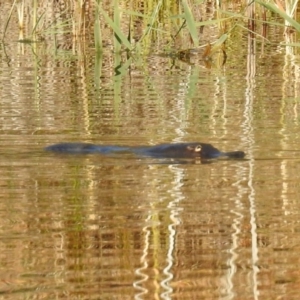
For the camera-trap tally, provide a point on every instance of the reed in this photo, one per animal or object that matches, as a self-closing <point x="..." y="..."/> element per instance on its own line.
<point x="78" y="18"/>
<point x="123" y="16"/>
<point x="9" y="17"/>
<point x="97" y="28"/>
<point x="191" y="24"/>
<point x="287" y="12"/>
<point x="20" y="11"/>
<point x="115" y="25"/>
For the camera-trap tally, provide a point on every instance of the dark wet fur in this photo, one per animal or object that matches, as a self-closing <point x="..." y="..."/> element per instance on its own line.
<point x="178" y="150"/>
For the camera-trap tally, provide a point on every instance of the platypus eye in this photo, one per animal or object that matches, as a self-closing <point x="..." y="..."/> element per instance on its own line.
<point x="195" y="149"/>
<point x="198" y="148"/>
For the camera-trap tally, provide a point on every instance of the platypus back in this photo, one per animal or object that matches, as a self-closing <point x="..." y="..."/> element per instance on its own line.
<point x="176" y="150"/>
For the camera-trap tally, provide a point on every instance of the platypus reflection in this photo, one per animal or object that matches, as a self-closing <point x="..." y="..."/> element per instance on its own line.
<point x="178" y="150"/>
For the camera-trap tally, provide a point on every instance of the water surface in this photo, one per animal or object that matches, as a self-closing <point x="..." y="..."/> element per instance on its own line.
<point x="123" y="227"/>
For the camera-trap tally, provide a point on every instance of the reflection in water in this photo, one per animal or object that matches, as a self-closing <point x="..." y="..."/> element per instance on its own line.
<point x="93" y="227"/>
<point x="248" y="136"/>
<point x="141" y="272"/>
<point x="173" y="209"/>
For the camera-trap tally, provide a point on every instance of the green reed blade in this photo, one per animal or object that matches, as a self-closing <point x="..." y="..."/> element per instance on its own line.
<point x="285" y="16"/>
<point x="191" y="24"/>
<point x="151" y="20"/>
<point x="116" y="29"/>
<point x="37" y="23"/>
<point x="97" y="29"/>
<point x="219" y="42"/>
<point x="117" y="22"/>
<point x="8" y="19"/>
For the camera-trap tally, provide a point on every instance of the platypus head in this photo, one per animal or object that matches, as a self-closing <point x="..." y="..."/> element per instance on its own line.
<point x="182" y="150"/>
<point x="203" y="150"/>
<point x="208" y="151"/>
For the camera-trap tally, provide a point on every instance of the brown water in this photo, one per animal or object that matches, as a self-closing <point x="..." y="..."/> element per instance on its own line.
<point x="96" y="227"/>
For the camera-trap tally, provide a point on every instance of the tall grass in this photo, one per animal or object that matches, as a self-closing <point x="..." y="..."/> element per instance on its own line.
<point x="97" y="28"/>
<point x="287" y="12"/>
<point x="120" y="16"/>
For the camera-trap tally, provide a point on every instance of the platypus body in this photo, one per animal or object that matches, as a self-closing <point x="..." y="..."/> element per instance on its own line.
<point x="177" y="150"/>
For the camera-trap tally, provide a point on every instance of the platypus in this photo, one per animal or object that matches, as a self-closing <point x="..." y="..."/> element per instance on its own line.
<point x="176" y="150"/>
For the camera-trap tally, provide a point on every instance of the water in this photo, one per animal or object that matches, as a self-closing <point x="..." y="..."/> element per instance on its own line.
<point x="125" y="227"/>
